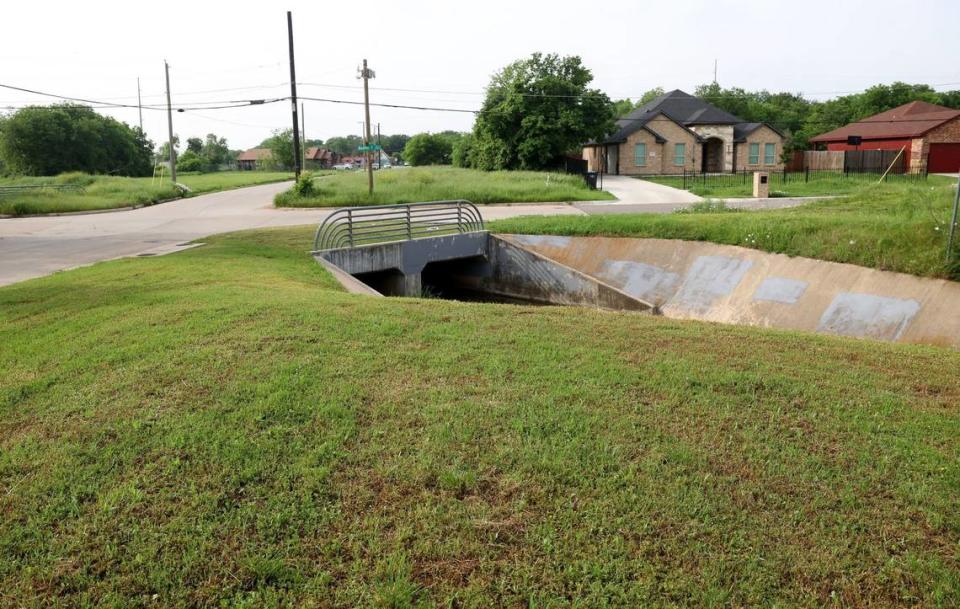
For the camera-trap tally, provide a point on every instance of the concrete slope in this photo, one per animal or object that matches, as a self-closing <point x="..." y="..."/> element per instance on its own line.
<point x="729" y="284"/>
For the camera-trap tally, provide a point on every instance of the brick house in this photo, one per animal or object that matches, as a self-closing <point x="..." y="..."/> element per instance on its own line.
<point x="928" y="134"/>
<point x="678" y="132"/>
<point x="321" y="158"/>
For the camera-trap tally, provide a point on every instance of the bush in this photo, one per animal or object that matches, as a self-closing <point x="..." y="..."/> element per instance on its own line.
<point x="74" y="178"/>
<point x="191" y="161"/>
<point x="304" y="186"/>
<point x="428" y="149"/>
<point x="463" y="151"/>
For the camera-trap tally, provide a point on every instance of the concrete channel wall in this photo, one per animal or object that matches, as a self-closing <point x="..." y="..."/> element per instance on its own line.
<point x="729" y="284"/>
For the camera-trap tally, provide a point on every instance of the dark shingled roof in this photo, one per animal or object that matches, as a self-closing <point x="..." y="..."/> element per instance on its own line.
<point x="683" y="109"/>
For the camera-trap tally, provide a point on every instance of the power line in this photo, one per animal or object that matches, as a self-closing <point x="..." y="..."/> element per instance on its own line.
<point x="401" y="106"/>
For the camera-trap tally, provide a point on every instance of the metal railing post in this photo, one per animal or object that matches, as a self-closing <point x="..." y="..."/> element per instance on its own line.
<point x="409" y="227"/>
<point x="350" y="226"/>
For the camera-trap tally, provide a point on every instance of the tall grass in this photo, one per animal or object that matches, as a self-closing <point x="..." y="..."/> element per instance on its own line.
<point x="111" y="192"/>
<point x="410" y="185"/>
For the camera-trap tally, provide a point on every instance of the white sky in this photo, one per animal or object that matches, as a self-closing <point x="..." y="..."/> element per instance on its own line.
<point x="97" y="50"/>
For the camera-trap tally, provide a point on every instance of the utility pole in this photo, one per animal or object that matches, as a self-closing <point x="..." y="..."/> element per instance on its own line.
<point x="366" y="74"/>
<point x="173" y="153"/>
<point x="297" y="159"/>
<point x="953" y="220"/>
<point x="139" y="104"/>
<point x="714" y="70"/>
<point x="303" y="134"/>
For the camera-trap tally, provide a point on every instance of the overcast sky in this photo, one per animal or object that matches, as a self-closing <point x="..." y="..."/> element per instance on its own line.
<point x="97" y="49"/>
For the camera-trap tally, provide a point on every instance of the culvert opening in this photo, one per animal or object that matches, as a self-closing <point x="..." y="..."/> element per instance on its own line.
<point x="468" y="280"/>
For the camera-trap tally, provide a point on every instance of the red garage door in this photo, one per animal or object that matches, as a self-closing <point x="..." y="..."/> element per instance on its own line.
<point x="944" y="158"/>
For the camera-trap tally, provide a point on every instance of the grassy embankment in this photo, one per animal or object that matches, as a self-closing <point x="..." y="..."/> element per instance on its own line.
<point x="410" y="185"/>
<point x="110" y="192"/>
<point x="895" y="227"/>
<point x="819" y="184"/>
<point x="225" y="427"/>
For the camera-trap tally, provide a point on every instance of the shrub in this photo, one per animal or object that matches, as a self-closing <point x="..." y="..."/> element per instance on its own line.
<point x="304" y="186"/>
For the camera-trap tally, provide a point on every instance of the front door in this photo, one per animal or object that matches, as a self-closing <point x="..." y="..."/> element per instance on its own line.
<point x="612" y="161"/>
<point x="713" y="155"/>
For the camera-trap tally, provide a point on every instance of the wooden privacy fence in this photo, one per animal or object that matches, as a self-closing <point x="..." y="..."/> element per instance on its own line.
<point x="848" y="161"/>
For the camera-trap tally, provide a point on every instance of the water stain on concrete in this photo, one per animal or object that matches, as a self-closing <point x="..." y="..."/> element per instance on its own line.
<point x="853" y="314"/>
<point x="543" y="240"/>
<point x="709" y="278"/>
<point x="780" y="289"/>
<point x="645" y="281"/>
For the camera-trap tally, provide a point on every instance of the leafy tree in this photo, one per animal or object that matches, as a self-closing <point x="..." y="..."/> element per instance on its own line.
<point x="163" y="152"/>
<point x="393" y="144"/>
<point x="215" y="152"/>
<point x="47" y="140"/>
<point x="191" y="161"/>
<point x="281" y="146"/>
<point x="536" y="110"/>
<point x="345" y="145"/>
<point x="195" y="144"/>
<point x="650" y="95"/>
<point x="428" y="149"/>
<point x="625" y="106"/>
<point x="462" y="155"/>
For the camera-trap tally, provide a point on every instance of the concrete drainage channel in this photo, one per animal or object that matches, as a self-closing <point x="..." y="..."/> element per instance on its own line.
<point x="684" y="280"/>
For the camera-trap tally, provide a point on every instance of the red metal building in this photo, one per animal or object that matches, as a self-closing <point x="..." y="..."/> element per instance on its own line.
<point x="928" y="134"/>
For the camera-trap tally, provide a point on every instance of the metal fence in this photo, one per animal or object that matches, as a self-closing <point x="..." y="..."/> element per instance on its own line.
<point x="688" y="179"/>
<point x="353" y="226"/>
<point x="21" y="188"/>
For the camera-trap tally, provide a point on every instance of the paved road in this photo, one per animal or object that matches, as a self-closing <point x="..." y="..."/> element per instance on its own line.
<point x="33" y="247"/>
<point x="631" y="191"/>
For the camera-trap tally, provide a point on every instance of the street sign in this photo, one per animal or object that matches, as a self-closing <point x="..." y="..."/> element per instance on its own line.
<point x="369" y="148"/>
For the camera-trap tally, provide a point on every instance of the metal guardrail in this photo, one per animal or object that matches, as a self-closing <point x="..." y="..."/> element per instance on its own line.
<point x="11" y="190"/>
<point x="353" y="226"/>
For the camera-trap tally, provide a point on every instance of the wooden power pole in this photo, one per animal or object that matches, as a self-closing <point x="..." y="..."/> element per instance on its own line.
<point x="173" y="152"/>
<point x="297" y="158"/>
<point x="367" y="74"/>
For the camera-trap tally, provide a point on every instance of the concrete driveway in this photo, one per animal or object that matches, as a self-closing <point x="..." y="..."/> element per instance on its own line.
<point x="631" y="191"/>
<point x="33" y="247"/>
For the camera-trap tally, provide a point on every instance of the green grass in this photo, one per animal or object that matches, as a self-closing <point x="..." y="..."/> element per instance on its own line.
<point x="224" y="427"/>
<point x="409" y="185"/>
<point x="110" y="192"/>
<point x="819" y="184"/>
<point x="892" y="227"/>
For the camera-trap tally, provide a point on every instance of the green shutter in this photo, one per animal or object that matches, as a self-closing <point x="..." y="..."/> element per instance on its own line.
<point x="754" y="154"/>
<point x="640" y="155"/>
<point x="679" y="152"/>
<point x="769" y="154"/>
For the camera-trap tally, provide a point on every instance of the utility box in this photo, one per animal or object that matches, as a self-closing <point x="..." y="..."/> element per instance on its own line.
<point x="761" y="184"/>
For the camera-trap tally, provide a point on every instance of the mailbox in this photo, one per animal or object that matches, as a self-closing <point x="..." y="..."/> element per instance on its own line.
<point x="761" y="184"/>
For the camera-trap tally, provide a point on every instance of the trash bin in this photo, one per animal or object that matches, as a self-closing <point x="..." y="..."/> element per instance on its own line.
<point x="591" y="179"/>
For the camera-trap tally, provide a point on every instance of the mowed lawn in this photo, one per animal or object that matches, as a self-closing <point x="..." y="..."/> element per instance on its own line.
<point x="893" y="227"/>
<point x="110" y="192"/>
<point x="414" y="184"/>
<point x="226" y="427"/>
<point x="792" y="184"/>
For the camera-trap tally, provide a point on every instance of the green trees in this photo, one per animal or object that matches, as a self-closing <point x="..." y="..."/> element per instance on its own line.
<point x="428" y="149"/>
<point x="48" y="140"/>
<point x="536" y="110"/>
<point x="800" y="118"/>
<point x="281" y="146"/>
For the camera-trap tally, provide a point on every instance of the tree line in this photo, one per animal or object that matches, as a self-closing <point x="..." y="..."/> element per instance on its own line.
<point x="536" y="111"/>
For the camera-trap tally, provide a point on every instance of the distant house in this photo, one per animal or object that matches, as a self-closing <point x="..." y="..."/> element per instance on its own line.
<point x="321" y="158"/>
<point x="678" y="132"/>
<point x="928" y="134"/>
<point x="253" y="158"/>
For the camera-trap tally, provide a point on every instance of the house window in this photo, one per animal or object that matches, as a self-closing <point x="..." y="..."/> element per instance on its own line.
<point x="679" y="152"/>
<point x="754" y="154"/>
<point x="769" y="154"/>
<point x="640" y="155"/>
